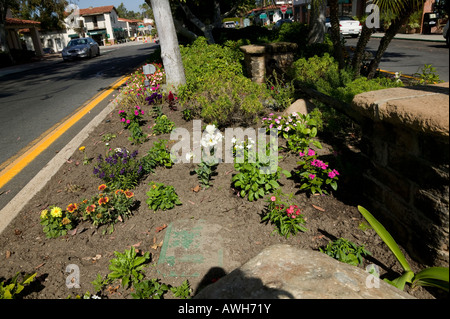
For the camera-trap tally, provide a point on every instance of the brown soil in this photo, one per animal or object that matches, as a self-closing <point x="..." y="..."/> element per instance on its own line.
<point x="24" y="247"/>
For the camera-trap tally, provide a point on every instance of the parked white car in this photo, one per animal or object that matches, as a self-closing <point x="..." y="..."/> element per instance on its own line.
<point x="348" y="26"/>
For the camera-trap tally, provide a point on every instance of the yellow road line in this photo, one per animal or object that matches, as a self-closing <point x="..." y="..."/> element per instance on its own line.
<point x="51" y="135"/>
<point x="405" y="76"/>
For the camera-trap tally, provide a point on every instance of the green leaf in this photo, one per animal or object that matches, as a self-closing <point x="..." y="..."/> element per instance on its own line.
<point x="433" y="276"/>
<point x="386" y="237"/>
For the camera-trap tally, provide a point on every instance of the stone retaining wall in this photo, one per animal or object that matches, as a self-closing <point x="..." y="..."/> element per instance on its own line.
<point x="406" y="143"/>
<point x="262" y="60"/>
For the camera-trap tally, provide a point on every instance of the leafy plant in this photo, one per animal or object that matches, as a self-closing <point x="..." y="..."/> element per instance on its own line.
<point x="183" y="291"/>
<point x="205" y="171"/>
<point x="128" y="266"/>
<point x="284" y="215"/>
<point x="108" y="207"/>
<point x="56" y="222"/>
<point x="254" y="178"/>
<point x="162" y="197"/>
<point x="428" y="75"/>
<point x="315" y="174"/>
<point x="345" y="251"/>
<point x="433" y="276"/>
<point x="120" y="169"/>
<point x="299" y="130"/>
<point x="163" y="125"/>
<point x="10" y="289"/>
<point x="282" y="92"/>
<point x="149" y="289"/>
<point x="158" y="155"/>
<point x="132" y="120"/>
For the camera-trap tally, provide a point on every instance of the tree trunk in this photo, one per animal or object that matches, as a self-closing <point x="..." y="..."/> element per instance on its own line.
<point x="206" y="29"/>
<point x="170" y="50"/>
<point x="393" y="29"/>
<point x="335" y="32"/>
<point x="317" y="31"/>
<point x="358" y="55"/>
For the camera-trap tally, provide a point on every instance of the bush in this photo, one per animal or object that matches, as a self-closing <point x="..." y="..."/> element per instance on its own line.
<point x="216" y="89"/>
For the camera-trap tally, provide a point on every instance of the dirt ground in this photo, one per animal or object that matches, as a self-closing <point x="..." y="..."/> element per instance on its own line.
<point x="24" y="247"/>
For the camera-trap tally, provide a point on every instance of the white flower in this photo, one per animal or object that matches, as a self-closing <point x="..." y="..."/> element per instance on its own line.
<point x="211" y="129"/>
<point x="233" y="140"/>
<point x="189" y="156"/>
<point x="251" y="141"/>
<point x="294" y="114"/>
<point x="279" y="128"/>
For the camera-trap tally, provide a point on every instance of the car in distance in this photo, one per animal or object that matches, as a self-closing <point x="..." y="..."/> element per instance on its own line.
<point x="347" y="26"/>
<point x="280" y="22"/>
<point x="80" y="48"/>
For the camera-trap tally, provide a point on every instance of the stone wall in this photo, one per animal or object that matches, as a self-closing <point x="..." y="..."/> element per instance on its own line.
<point x="262" y="60"/>
<point x="406" y="143"/>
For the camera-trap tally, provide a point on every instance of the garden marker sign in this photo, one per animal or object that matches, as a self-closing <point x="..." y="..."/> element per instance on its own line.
<point x="283" y="8"/>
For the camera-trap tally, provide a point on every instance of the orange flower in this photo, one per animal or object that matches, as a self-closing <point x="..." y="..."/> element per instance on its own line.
<point x="118" y="191"/>
<point x="129" y="194"/>
<point x="71" y="208"/>
<point x="103" y="200"/>
<point x="102" y="187"/>
<point x="90" y="208"/>
<point x="65" y="221"/>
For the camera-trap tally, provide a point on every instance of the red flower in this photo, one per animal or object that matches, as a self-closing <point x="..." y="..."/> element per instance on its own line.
<point x="103" y="200"/>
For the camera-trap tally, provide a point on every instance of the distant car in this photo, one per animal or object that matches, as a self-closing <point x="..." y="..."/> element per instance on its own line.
<point x="229" y="24"/>
<point x="348" y="26"/>
<point x="279" y="23"/>
<point x="80" y="48"/>
<point x="48" y="50"/>
<point x="446" y="35"/>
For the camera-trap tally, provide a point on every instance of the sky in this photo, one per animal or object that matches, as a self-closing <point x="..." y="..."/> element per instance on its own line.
<point x="131" y="5"/>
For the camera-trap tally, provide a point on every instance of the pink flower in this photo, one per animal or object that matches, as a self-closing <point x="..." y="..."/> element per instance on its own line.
<point x="311" y="152"/>
<point x="331" y="174"/>
<point x="142" y="112"/>
<point x="301" y="154"/>
<point x="136" y="112"/>
<point x="273" y="198"/>
<point x="312" y="176"/>
<point x="128" y="121"/>
<point x="336" y="172"/>
<point x="122" y="120"/>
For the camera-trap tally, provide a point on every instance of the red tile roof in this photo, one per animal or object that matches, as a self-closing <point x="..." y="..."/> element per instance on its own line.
<point x="14" y="21"/>
<point x="96" y="10"/>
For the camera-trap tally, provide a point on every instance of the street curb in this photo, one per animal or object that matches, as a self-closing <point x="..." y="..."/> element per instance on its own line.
<point x="13" y="208"/>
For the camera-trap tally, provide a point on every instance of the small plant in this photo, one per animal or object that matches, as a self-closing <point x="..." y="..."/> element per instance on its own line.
<point x="10" y="289"/>
<point x="128" y="267"/>
<point x="282" y="92"/>
<point x="162" y="197"/>
<point x="346" y="251"/>
<point x="433" y="276"/>
<point x="57" y="222"/>
<point x="315" y="174"/>
<point x="158" y="155"/>
<point x="206" y="169"/>
<point x="254" y="178"/>
<point x="299" y="130"/>
<point x="286" y="217"/>
<point x="428" y="75"/>
<point x="132" y="120"/>
<point x="163" y="125"/>
<point x="120" y="169"/>
<point x="108" y="207"/>
<point x="183" y="291"/>
<point x="86" y="160"/>
<point x="149" y="289"/>
<point x="186" y="114"/>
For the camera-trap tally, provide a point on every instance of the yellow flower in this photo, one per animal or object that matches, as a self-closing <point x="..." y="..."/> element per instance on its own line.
<point x="65" y="221"/>
<point x="44" y="214"/>
<point x="82" y="148"/>
<point x="56" y="212"/>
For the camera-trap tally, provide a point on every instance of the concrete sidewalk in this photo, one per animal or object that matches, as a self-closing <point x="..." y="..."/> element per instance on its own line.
<point x="414" y="37"/>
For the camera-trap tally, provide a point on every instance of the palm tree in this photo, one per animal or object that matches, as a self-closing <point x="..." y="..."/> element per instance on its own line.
<point x="403" y="10"/>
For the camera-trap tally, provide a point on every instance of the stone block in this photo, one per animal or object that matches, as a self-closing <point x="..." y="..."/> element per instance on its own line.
<point x="287" y="272"/>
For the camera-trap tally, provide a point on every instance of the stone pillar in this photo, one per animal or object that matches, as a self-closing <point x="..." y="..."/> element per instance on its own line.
<point x="36" y="42"/>
<point x="406" y="143"/>
<point x="255" y="62"/>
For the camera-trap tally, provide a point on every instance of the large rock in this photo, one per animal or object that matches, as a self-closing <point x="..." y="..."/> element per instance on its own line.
<point x="300" y="106"/>
<point x="283" y="271"/>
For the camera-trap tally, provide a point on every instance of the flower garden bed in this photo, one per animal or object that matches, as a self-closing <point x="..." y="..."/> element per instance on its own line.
<point x="101" y="215"/>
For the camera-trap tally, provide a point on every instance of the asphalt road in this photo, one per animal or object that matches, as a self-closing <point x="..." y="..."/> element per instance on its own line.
<point x="409" y="57"/>
<point x="33" y="101"/>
